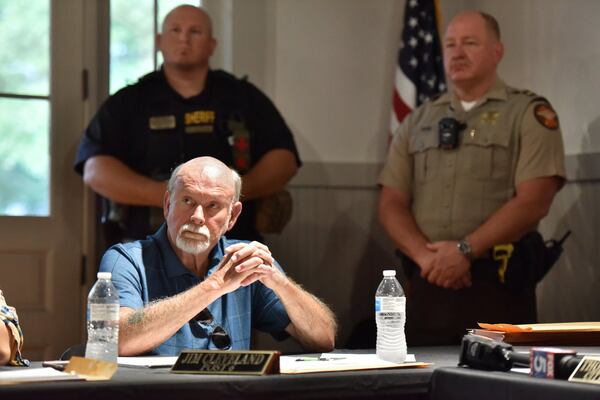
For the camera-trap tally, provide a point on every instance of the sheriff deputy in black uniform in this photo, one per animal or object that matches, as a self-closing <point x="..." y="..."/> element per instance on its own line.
<point x="183" y="111"/>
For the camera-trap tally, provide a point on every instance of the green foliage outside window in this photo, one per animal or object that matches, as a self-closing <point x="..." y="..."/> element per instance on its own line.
<point x="24" y="122"/>
<point x="132" y="38"/>
<point x="25" y="71"/>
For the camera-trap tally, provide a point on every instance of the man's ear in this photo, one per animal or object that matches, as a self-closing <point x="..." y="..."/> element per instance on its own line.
<point x="498" y="51"/>
<point x="157" y="39"/>
<point x="236" y="210"/>
<point x="167" y="204"/>
<point x="213" y="46"/>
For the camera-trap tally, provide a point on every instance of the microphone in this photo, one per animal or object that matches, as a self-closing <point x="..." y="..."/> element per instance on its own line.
<point x="551" y="363"/>
<point x="484" y="353"/>
<point x="480" y="352"/>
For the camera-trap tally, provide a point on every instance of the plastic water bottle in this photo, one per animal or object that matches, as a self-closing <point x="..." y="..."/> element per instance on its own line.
<point x="103" y="320"/>
<point x="390" y="316"/>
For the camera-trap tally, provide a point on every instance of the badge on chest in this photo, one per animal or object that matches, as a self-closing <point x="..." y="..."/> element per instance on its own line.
<point x="199" y="121"/>
<point x="161" y="122"/>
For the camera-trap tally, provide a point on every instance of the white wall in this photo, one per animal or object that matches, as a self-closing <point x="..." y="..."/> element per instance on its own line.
<point x="334" y="63"/>
<point x="328" y="64"/>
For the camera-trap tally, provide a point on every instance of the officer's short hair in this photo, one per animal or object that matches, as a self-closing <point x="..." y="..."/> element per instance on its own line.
<point x="491" y="24"/>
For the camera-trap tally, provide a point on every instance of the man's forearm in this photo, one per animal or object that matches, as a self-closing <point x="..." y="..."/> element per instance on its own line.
<point x="270" y="174"/>
<point x="507" y="224"/>
<point x="114" y="180"/>
<point x="313" y="323"/>
<point x="144" y="329"/>
<point x="516" y="217"/>
<point x="397" y="219"/>
<point x="6" y="343"/>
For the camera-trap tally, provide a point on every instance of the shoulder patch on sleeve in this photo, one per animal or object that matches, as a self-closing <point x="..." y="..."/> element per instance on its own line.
<point x="526" y="92"/>
<point x="529" y="93"/>
<point x="546" y="115"/>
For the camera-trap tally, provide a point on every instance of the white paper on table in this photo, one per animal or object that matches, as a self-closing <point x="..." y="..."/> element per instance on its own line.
<point x="354" y="358"/>
<point x="35" y="375"/>
<point x="520" y="370"/>
<point x="340" y="362"/>
<point x="147" y="361"/>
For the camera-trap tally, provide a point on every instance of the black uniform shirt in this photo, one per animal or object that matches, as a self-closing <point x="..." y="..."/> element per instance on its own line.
<point x="152" y="129"/>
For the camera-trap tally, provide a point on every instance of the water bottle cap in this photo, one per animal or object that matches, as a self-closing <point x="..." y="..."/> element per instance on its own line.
<point x="104" y="275"/>
<point x="389" y="272"/>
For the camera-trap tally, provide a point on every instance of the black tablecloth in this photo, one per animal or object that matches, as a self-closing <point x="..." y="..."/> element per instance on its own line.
<point x="443" y="380"/>
<point x="161" y="384"/>
<point x="467" y="384"/>
<point x="449" y="383"/>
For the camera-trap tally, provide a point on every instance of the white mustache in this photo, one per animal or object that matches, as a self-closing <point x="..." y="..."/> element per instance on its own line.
<point x="200" y="229"/>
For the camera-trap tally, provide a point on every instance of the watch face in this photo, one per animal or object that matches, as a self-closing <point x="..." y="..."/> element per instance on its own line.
<point x="464" y="247"/>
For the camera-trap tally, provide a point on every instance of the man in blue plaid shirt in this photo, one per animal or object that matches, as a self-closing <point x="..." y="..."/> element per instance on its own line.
<point x="188" y="286"/>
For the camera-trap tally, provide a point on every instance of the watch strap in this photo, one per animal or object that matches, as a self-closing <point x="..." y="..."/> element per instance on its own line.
<point x="465" y="248"/>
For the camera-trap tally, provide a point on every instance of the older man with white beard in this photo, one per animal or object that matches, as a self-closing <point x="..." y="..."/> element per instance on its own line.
<point x="188" y="286"/>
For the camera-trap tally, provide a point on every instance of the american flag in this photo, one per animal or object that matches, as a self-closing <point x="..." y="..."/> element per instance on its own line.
<point x="420" y="70"/>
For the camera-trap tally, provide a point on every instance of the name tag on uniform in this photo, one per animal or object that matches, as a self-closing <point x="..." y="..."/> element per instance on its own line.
<point x="162" y="122"/>
<point x="199" y="121"/>
<point x="199" y="129"/>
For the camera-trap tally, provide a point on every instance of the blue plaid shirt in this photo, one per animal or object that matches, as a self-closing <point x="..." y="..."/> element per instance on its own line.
<point x="148" y="270"/>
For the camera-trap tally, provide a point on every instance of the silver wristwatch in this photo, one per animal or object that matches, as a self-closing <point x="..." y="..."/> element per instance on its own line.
<point x="465" y="248"/>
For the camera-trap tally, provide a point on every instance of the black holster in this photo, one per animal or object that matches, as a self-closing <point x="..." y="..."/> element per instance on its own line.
<point x="531" y="259"/>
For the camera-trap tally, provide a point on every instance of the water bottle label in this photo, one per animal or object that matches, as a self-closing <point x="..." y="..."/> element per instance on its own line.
<point x="390" y="304"/>
<point x="107" y="312"/>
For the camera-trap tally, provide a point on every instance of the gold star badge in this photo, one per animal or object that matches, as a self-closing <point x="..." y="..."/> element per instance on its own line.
<point x="490" y="117"/>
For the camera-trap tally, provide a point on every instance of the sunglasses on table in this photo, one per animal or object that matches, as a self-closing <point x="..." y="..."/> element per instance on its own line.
<point x="218" y="335"/>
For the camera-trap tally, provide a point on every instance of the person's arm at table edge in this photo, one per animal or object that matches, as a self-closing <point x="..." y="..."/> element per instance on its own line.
<point x="143" y="329"/>
<point x="313" y="324"/>
<point x="6" y="343"/>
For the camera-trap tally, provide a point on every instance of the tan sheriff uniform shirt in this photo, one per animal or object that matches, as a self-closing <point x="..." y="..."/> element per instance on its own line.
<point x="510" y="136"/>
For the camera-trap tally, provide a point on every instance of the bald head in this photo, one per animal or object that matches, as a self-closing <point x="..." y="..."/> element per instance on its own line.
<point x="206" y="169"/>
<point x="187" y="44"/>
<point x="191" y="12"/>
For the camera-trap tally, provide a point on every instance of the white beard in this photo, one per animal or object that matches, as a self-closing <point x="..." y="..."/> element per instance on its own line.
<point x="193" y="246"/>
